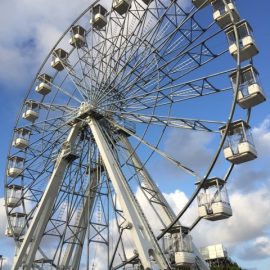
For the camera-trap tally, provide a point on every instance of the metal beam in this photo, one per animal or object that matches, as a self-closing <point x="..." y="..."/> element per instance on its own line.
<point x="144" y="239"/>
<point x="161" y="207"/>
<point x="42" y="214"/>
<point x="164" y="210"/>
<point x="73" y="252"/>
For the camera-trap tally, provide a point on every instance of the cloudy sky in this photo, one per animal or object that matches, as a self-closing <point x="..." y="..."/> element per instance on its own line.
<point x="28" y="31"/>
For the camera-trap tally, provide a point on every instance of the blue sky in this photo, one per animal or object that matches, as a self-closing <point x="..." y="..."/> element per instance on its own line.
<point x="28" y="31"/>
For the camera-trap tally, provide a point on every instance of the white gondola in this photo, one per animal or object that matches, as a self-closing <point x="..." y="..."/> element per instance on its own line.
<point x="214" y="252"/>
<point x="121" y="6"/>
<point x="184" y="255"/>
<point x="21" y="138"/>
<point x="15" y="166"/>
<point x="250" y="93"/>
<point x="239" y="146"/>
<point x="99" y="19"/>
<point x="147" y="2"/>
<point x="248" y="47"/>
<point x="222" y="13"/>
<point x="14" y="194"/>
<point x="59" y="59"/>
<point x="213" y="200"/>
<point x="77" y="38"/>
<point x="17" y="225"/>
<point x="200" y="3"/>
<point x="178" y="248"/>
<point x="30" y="111"/>
<point x="44" y="87"/>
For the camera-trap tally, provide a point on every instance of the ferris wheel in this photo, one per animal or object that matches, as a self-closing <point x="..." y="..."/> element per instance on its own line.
<point x="96" y="119"/>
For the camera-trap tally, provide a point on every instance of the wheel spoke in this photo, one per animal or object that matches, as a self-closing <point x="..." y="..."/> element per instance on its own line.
<point x="158" y="151"/>
<point x="193" y="124"/>
<point x="174" y="92"/>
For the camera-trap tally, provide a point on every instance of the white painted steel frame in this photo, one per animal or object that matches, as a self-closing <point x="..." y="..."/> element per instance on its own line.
<point x="142" y="234"/>
<point x="35" y="231"/>
<point x="73" y="252"/>
<point x="161" y="206"/>
<point x="159" y="120"/>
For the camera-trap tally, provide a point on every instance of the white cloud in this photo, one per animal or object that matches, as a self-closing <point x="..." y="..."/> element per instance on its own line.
<point x="245" y="225"/>
<point x="261" y="135"/>
<point x="251" y="218"/>
<point x="192" y="148"/>
<point x="250" y="201"/>
<point x="259" y="249"/>
<point x="177" y="201"/>
<point x="30" y="29"/>
<point x="180" y="143"/>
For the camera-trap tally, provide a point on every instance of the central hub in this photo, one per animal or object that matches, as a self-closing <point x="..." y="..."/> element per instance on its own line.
<point x="85" y="110"/>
